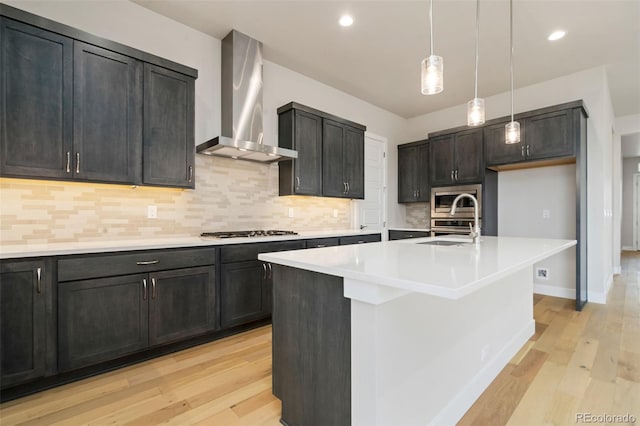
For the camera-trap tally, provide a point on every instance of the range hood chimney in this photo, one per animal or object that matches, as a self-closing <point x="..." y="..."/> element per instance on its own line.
<point x="242" y="105"/>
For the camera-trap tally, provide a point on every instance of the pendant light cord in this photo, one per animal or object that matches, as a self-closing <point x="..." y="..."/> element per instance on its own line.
<point x="511" y="51"/>
<point x="477" y="44"/>
<point x="431" y="26"/>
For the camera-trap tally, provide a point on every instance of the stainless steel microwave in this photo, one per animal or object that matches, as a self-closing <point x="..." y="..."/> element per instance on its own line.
<point x="442" y="201"/>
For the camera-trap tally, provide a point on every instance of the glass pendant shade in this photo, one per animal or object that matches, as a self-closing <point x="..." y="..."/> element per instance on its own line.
<point x="475" y="112"/>
<point x="432" y="75"/>
<point x="512" y="132"/>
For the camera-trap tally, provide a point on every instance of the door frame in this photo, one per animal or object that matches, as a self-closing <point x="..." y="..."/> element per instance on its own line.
<point x="355" y="206"/>
<point x="636" y="213"/>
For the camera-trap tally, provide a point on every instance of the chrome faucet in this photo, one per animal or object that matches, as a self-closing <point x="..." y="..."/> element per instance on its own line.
<point x="475" y="231"/>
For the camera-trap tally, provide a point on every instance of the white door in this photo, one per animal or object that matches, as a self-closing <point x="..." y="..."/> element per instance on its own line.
<point x="372" y="210"/>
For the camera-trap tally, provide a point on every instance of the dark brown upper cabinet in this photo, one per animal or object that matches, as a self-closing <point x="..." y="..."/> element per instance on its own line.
<point x="36" y="94"/>
<point x="330" y="149"/>
<point x="456" y="158"/>
<point x="79" y="107"/>
<point x="169" y="146"/>
<point x="302" y="131"/>
<point x="107" y="118"/>
<point x="413" y="172"/>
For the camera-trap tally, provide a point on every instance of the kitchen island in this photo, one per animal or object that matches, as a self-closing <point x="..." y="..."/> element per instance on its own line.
<point x="399" y="332"/>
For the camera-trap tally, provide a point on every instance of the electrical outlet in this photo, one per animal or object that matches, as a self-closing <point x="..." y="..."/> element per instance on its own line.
<point x="290" y="213"/>
<point x="546" y="213"/>
<point x="335" y="212"/>
<point x="152" y="212"/>
<point x="542" y="273"/>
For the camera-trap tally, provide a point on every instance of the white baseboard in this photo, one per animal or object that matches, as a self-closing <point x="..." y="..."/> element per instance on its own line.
<point x="608" y="285"/>
<point x="597" y="297"/>
<point x="450" y="414"/>
<point x="555" y="291"/>
<point x="627" y="248"/>
<point x="617" y="270"/>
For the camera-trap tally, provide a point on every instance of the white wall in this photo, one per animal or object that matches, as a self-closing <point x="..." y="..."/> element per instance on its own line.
<point x="629" y="169"/>
<point x="590" y="86"/>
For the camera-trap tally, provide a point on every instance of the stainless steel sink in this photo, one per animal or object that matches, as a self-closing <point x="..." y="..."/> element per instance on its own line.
<point x="444" y="243"/>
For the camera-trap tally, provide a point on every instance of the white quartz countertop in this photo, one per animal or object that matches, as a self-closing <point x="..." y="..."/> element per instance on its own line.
<point x="104" y="246"/>
<point x="446" y="271"/>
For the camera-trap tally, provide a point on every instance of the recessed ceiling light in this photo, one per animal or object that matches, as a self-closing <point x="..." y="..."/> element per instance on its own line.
<point x="556" y="35"/>
<point x="346" y="20"/>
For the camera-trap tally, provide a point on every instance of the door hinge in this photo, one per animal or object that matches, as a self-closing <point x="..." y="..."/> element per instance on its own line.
<point x="384" y="224"/>
<point x="384" y="154"/>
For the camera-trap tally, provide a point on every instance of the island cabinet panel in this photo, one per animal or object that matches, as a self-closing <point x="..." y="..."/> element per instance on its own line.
<point x="311" y="348"/>
<point x="182" y="304"/>
<point x="301" y="131"/>
<point x="457" y="158"/>
<point x="101" y="319"/>
<point x="36" y="101"/>
<point x="24" y="289"/>
<point x="169" y="149"/>
<point x="413" y="172"/>
<point x="107" y="120"/>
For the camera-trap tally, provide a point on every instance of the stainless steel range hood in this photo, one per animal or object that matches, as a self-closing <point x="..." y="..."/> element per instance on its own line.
<point x="242" y="105"/>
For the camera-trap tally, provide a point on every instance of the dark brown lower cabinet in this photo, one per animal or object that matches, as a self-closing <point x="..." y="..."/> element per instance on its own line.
<point x="101" y="319"/>
<point x="245" y="292"/>
<point x="181" y="304"/>
<point x="106" y="318"/>
<point x="24" y="288"/>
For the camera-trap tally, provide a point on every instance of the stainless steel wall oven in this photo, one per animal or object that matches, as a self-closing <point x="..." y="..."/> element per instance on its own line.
<point x="441" y="202"/>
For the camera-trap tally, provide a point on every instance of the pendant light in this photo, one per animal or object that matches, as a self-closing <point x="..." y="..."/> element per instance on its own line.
<point x="511" y="129"/>
<point x="432" y="67"/>
<point x="475" y="107"/>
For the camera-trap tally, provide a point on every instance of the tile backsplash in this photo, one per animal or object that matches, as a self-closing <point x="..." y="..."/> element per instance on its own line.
<point x="418" y="215"/>
<point x="229" y="195"/>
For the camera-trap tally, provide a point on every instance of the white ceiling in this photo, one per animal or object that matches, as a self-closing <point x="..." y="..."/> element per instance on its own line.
<point x="378" y="58"/>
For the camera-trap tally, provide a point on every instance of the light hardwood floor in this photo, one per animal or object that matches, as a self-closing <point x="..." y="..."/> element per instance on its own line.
<point x="576" y="362"/>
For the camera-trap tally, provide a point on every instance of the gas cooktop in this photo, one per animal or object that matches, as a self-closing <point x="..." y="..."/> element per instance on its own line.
<point x="241" y="234"/>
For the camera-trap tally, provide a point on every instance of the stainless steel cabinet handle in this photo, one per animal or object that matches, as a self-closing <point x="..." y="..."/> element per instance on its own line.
<point x="68" y="162"/>
<point x="297" y="182"/>
<point x="320" y="245"/>
<point x="77" y="162"/>
<point x="418" y="192"/>
<point x="348" y="188"/>
<point x="153" y="288"/>
<point x="456" y="175"/>
<point x="264" y="271"/>
<point x="527" y="150"/>
<point x="144" y="289"/>
<point x="39" y="280"/>
<point x="270" y="270"/>
<point x="451" y="174"/>
<point x="190" y="173"/>
<point x="345" y="187"/>
<point x="522" y="151"/>
<point x="361" y="241"/>
<point x="147" y="262"/>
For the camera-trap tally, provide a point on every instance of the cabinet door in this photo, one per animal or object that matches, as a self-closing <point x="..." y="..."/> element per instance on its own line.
<point x="182" y="304"/>
<point x="549" y="135"/>
<point x="407" y="174"/>
<point x="421" y="166"/>
<point x="308" y="143"/>
<point x="36" y="95"/>
<point x="22" y="321"/>
<point x="333" y="182"/>
<point x="497" y="152"/>
<point x="353" y="162"/>
<point x="169" y="150"/>
<point x="441" y="165"/>
<point x="242" y="297"/>
<point x="107" y="115"/>
<point x="101" y="319"/>
<point x="468" y="154"/>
